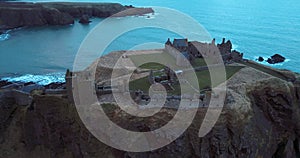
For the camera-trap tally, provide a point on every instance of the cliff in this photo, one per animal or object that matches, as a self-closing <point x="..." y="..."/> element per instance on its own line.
<point x="260" y="119"/>
<point x="20" y="14"/>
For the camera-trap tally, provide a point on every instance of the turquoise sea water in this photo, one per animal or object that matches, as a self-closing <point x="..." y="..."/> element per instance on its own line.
<point x="256" y="28"/>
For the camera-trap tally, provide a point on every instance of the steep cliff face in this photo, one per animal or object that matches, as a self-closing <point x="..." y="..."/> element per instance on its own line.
<point x="19" y="14"/>
<point x="76" y="10"/>
<point x="260" y="119"/>
<point x="48" y="128"/>
<point x="35" y="16"/>
<point x="276" y="108"/>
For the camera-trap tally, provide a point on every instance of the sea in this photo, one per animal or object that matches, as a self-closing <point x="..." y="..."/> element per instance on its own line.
<point x="256" y="28"/>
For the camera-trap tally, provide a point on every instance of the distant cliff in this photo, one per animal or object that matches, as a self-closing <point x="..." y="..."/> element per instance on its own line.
<point x="20" y="14"/>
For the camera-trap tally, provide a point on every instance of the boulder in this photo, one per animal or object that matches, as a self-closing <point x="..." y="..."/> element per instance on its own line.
<point x="276" y="59"/>
<point x="85" y="19"/>
<point x="4" y="83"/>
<point x="260" y="59"/>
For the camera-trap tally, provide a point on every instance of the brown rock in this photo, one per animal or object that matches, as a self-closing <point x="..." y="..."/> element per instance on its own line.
<point x="84" y="19"/>
<point x="276" y="59"/>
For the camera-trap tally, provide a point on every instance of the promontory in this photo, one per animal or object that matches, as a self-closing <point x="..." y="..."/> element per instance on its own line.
<point x="21" y="14"/>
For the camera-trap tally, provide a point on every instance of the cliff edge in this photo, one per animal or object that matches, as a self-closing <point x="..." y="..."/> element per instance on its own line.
<point x="260" y="119"/>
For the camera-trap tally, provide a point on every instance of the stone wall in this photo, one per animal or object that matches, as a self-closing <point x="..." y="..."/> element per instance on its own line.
<point x="180" y="59"/>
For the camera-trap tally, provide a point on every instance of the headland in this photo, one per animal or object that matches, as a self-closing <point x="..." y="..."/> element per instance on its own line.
<point x="22" y="14"/>
<point x="259" y="118"/>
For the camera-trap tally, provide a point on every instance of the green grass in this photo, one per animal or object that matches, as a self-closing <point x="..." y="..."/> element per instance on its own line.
<point x="152" y="66"/>
<point x="151" y="61"/>
<point x="140" y="84"/>
<point x="204" y="80"/>
<point x="265" y="70"/>
<point x="165" y="58"/>
<point x="108" y="108"/>
<point x="199" y="62"/>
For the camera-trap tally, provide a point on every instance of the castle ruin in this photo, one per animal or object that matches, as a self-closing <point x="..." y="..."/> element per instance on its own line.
<point x="185" y="51"/>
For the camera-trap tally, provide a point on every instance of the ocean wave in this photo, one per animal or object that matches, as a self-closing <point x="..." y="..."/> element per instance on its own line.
<point x="151" y="15"/>
<point x="38" y="79"/>
<point x="234" y="46"/>
<point x="4" y="36"/>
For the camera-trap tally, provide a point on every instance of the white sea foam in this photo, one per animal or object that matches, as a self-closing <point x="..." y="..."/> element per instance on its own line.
<point x="234" y="47"/>
<point x="4" y="36"/>
<point x="39" y="79"/>
<point x="151" y="15"/>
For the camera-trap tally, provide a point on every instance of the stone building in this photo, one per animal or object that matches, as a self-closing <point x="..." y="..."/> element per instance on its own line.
<point x="80" y="88"/>
<point x="190" y="50"/>
<point x="181" y="44"/>
<point x="151" y="77"/>
<point x="179" y="50"/>
<point x="227" y="53"/>
<point x="69" y="87"/>
<point x="200" y="50"/>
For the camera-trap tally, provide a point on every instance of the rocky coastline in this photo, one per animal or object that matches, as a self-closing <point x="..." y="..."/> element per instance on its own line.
<point x="259" y="119"/>
<point x="274" y="59"/>
<point x="22" y="14"/>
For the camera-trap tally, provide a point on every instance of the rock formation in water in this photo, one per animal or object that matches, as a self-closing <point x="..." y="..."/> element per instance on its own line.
<point x="85" y="19"/>
<point x="260" y="119"/>
<point x="276" y="59"/>
<point x="20" y="14"/>
<point x="260" y="59"/>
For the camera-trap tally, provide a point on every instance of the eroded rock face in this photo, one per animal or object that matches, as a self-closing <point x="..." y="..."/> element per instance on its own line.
<point x="84" y="19"/>
<point x="276" y="109"/>
<point x="7" y="111"/>
<point x="50" y="128"/>
<point x="20" y="14"/>
<point x="32" y="15"/>
<point x="260" y="119"/>
<point x="225" y="47"/>
<point x="4" y="83"/>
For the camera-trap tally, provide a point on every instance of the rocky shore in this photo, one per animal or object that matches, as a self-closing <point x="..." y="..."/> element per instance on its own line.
<point x="274" y="59"/>
<point x="21" y="14"/>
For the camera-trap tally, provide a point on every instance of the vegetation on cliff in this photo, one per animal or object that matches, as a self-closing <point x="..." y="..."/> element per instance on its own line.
<point x="20" y="14"/>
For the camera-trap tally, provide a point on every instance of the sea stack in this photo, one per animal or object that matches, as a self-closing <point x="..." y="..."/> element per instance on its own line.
<point x="85" y="19"/>
<point x="276" y="59"/>
<point x="260" y="59"/>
